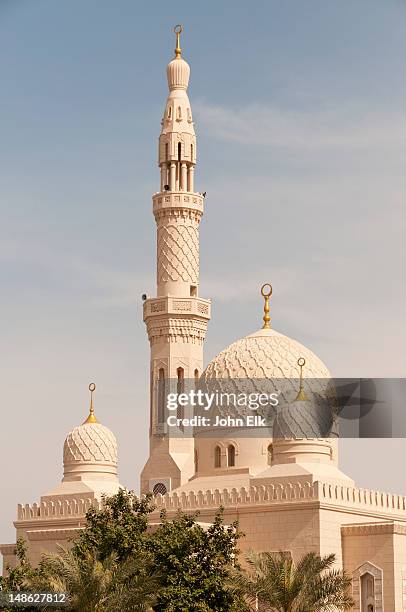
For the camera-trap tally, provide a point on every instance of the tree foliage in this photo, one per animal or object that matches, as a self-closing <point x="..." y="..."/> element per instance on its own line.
<point x="195" y="561"/>
<point x="117" y="562"/>
<point x="274" y="583"/>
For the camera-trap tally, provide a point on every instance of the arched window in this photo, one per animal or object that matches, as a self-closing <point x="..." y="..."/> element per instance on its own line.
<point x="179" y="117"/>
<point x="169" y="112"/>
<point x="196" y="374"/>
<point x="367" y="593"/>
<point x="179" y="151"/>
<point x="161" y="396"/>
<point x="217" y="457"/>
<point x="159" y="488"/>
<point x="231" y="455"/>
<point x="269" y="454"/>
<point x="196" y="462"/>
<point x="180" y="387"/>
<point x="166" y="151"/>
<point x="191" y="153"/>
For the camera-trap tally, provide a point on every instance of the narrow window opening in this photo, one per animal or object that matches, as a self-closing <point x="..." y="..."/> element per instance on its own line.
<point x="191" y="153"/>
<point x="193" y="291"/>
<point x="196" y="374"/>
<point x="166" y="151"/>
<point x="269" y="454"/>
<point x="180" y="387"/>
<point x="231" y="455"/>
<point x="179" y="151"/>
<point x="161" y="395"/>
<point x="217" y="457"/>
<point x="367" y="593"/>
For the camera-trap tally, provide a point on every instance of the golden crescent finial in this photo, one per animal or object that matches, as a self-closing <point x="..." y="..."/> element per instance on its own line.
<point x="301" y="396"/>
<point x="178" y="29"/>
<point x="91" y="418"/>
<point x="266" y="292"/>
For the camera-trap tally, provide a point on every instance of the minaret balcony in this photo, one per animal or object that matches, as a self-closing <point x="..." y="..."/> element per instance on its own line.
<point x="177" y="199"/>
<point x="177" y="306"/>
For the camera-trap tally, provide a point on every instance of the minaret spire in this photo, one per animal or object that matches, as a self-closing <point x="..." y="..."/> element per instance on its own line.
<point x="177" y="318"/>
<point x="178" y="29"/>
<point x="266" y="292"/>
<point x="91" y="418"/>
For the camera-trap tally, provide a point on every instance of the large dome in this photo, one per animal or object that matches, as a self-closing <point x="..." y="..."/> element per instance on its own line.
<point x="267" y="361"/>
<point x="264" y="354"/>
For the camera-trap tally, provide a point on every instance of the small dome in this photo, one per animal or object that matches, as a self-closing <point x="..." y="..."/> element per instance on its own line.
<point x="304" y="419"/>
<point x="90" y="443"/>
<point x="178" y="72"/>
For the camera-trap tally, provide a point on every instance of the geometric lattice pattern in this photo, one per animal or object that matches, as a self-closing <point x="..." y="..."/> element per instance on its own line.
<point x="266" y="354"/>
<point x="159" y="488"/>
<point x="178" y="253"/>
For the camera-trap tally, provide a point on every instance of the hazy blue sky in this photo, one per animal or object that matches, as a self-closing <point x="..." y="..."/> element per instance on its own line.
<point x="300" y="110"/>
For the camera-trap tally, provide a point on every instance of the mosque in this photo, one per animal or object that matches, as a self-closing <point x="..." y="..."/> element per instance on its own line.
<point x="287" y="492"/>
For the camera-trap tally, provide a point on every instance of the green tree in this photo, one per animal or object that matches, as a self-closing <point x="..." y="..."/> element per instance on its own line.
<point x="95" y="585"/>
<point x="195" y="562"/>
<point x="274" y="583"/>
<point x="14" y="578"/>
<point x="119" y="527"/>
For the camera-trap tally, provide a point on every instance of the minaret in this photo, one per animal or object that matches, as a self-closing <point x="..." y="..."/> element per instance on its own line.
<point x="177" y="318"/>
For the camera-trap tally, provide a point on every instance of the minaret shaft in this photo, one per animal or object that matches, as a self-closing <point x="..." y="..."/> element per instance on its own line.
<point x="177" y="318"/>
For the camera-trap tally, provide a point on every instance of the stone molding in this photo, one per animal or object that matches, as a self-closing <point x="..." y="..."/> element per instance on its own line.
<point x="47" y="534"/>
<point x="191" y="330"/>
<point x="369" y="529"/>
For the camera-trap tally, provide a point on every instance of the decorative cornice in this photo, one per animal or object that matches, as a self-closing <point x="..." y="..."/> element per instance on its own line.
<point x="184" y="330"/>
<point x="52" y="534"/>
<point x="368" y="529"/>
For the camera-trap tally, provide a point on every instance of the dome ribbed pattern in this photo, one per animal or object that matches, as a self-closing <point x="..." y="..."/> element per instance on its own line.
<point x="304" y="420"/>
<point x="90" y="443"/>
<point x="265" y="354"/>
<point x="267" y="362"/>
<point x="178" y="73"/>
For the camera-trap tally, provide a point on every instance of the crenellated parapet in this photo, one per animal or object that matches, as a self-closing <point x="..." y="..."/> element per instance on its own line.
<point x="59" y="508"/>
<point x="286" y="493"/>
<point x="263" y="494"/>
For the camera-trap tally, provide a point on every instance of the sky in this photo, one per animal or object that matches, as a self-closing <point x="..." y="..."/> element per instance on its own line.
<point x="300" y="111"/>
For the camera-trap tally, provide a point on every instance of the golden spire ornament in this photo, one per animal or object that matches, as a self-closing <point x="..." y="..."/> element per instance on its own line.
<point x="266" y="292"/>
<point x="91" y="418"/>
<point x="301" y="396"/>
<point x="178" y="51"/>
